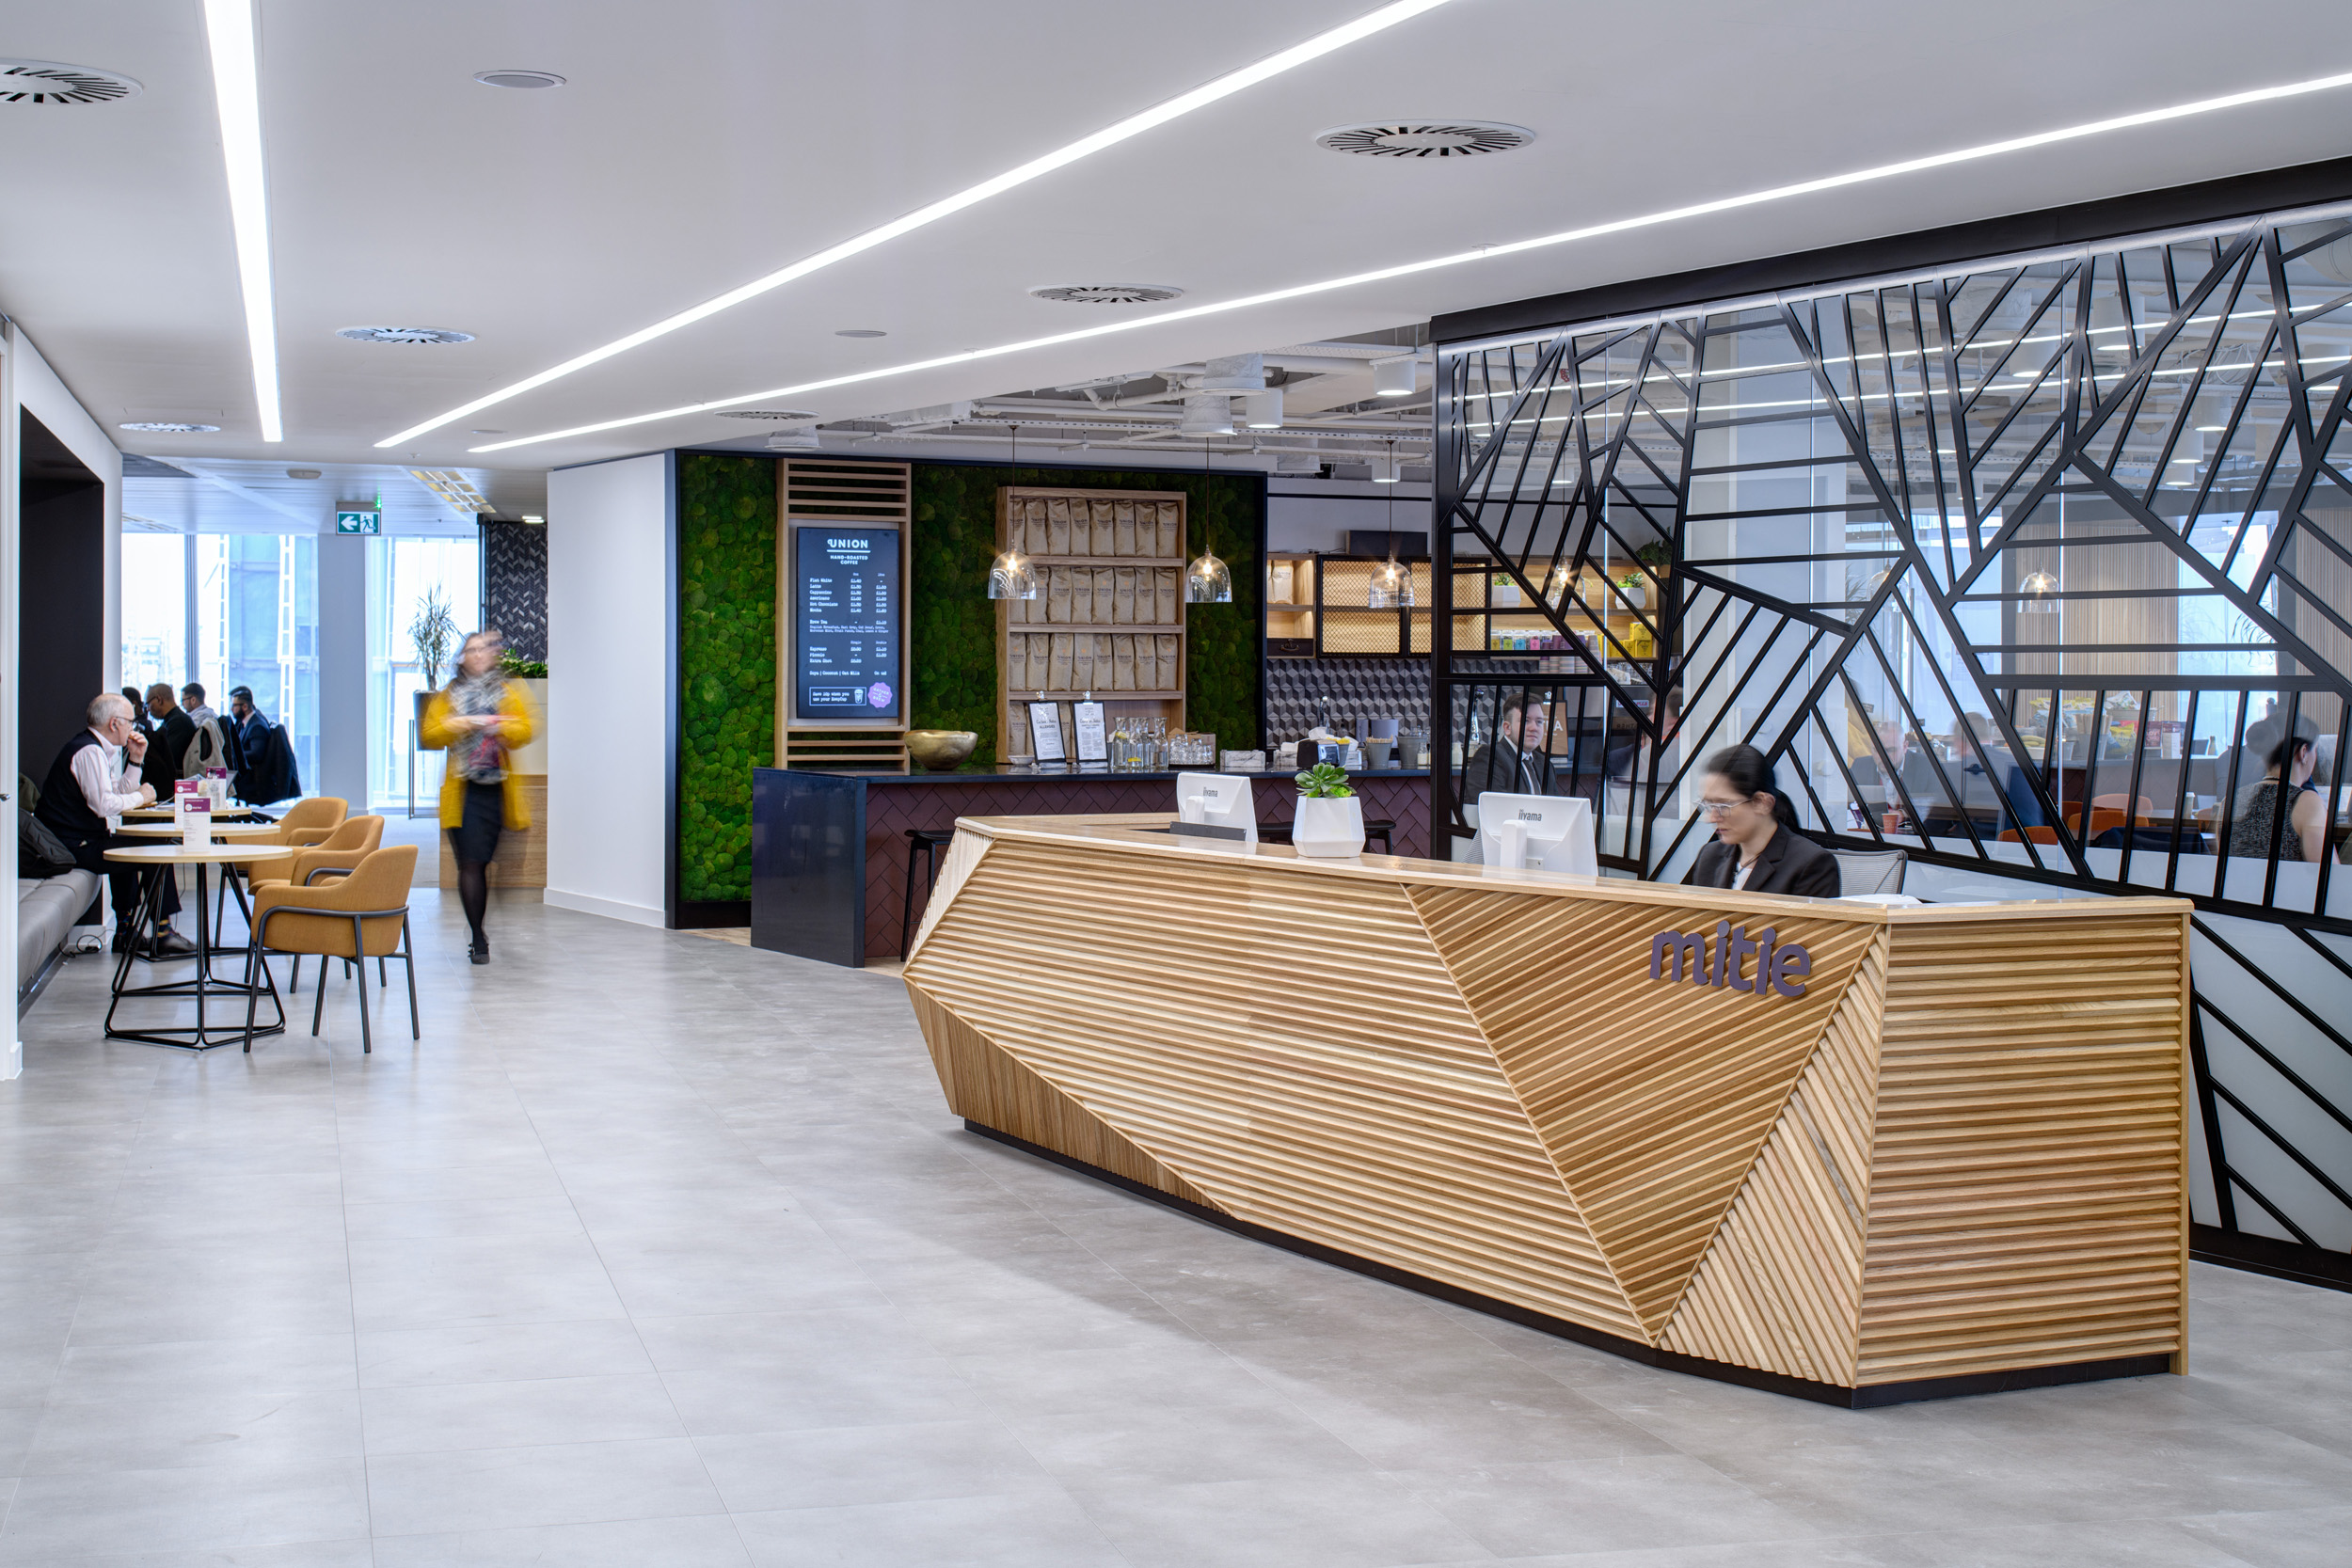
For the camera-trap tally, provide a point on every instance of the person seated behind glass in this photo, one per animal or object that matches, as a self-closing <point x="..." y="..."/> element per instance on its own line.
<point x="1757" y="847"/>
<point x="2254" y="818"/>
<point x="1515" y="763"/>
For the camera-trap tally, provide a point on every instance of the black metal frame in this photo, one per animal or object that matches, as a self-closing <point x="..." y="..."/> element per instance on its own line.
<point x="258" y="956"/>
<point x="144" y="922"/>
<point x="1973" y="415"/>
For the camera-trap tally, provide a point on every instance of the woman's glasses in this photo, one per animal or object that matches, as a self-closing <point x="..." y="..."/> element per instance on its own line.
<point x="1716" y="809"/>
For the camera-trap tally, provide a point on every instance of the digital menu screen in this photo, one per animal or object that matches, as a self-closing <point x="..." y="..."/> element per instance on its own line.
<point x="845" y="622"/>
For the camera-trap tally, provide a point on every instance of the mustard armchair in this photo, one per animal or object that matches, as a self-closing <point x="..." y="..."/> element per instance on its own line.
<point x="365" y="915"/>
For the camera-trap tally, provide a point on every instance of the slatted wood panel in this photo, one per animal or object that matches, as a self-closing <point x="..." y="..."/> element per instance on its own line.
<point x="892" y="809"/>
<point x="1652" y="1097"/>
<point x="1290" y="1045"/>
<point x="522" y="856"/>
<point x="2026" y="1187"/>
<point x="1780" y="1288"/>
<point x="989" y="1086"/>
<point x="870" y="495"/>
<point x="964" y="853"/>
<point x="1973" y="1164"/>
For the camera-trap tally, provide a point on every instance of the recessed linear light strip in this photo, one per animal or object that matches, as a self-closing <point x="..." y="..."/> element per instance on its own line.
<point x="1224" y="87"/>
<point x="1619" y="226"/>
<point x="237" y="92"/>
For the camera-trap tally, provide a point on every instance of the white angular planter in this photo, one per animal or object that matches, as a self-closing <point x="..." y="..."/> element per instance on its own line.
<point x="1328" y="829"/>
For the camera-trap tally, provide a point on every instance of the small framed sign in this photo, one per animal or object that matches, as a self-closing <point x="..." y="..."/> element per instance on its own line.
<point x="1045" y="732"/>
<point x="1093" y="746"/>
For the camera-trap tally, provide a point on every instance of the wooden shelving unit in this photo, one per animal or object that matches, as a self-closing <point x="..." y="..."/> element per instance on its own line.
<point x="1503" y="610"/>
<point x="1113" y="565"/>
<point x="1290" y="600"/>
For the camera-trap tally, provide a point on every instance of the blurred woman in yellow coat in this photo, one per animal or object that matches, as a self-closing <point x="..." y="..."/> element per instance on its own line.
<point x="480" y="717"/>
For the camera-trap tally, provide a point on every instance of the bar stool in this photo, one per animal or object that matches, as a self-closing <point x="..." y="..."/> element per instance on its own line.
<point x="1376" y="826"/>
<point x="926" y="842"/>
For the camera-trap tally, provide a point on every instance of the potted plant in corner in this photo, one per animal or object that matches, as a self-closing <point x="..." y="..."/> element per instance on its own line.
<point x="433" y="634"/>
<point x="1329" y="821"/>
<point x="531" y="757"/>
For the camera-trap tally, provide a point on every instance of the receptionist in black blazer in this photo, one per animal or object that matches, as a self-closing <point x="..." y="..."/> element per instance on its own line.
<point x="1757" y="846"/>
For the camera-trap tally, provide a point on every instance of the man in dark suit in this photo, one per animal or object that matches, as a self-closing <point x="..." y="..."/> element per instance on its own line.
<point x="1757" y="847"/>
<point x="1514" y="763"/>
<point x="174" y="732"/>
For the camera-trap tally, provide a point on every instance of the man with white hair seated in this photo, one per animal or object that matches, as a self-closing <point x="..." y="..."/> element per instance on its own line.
<point x="89" y="788"/>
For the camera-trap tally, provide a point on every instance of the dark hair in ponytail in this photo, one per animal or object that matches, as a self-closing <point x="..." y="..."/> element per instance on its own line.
<point x="1746" y="771"/>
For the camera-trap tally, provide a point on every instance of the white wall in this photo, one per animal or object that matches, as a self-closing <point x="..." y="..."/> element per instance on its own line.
<point x="609" y="687"/>
<point x="28" y="383"/>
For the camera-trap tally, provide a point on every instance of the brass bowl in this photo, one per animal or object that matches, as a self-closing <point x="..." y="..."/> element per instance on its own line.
<point x="940" y="750"/>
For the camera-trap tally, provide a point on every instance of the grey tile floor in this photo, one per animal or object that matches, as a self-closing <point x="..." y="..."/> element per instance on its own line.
<point x="660" y="1251"/>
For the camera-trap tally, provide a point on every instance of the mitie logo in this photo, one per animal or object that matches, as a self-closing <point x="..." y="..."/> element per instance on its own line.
<point x="1722" y="963"/>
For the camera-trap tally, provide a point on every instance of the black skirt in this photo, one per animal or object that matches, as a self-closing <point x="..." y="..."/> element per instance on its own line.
<point x="475" y="839"/>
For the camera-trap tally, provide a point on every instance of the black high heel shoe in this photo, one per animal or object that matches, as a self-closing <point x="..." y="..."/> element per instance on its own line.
<point x="480" y="951"/>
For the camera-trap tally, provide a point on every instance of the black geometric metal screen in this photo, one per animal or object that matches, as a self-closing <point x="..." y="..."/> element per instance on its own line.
<point x="515" y="585"/>
<point x="2029" y="567"/>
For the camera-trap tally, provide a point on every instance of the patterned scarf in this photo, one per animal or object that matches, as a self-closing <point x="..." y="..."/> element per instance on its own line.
<point x="481" y="756"/>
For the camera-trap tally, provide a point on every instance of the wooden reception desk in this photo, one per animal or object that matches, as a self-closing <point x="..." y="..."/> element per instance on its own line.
<point x="1938" y="1151"/>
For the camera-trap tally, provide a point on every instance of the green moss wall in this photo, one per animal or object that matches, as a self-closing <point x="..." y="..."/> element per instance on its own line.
<point x="726" y="664"/>
<point x="728" y="628"/>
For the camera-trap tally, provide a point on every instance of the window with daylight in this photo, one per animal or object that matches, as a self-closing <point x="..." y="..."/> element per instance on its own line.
<point x="401" y="573"/>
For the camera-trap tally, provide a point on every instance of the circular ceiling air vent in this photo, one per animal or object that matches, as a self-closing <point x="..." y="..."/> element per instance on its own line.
<point x="527" y="80"/>
<point x="1108" y="293"/>
<point x="169" y="427"/>
<point x="1424" y="138"/>
<point x="773" y="416"/>
<point x="402" y="335"/>
<point x="47" y="82"/>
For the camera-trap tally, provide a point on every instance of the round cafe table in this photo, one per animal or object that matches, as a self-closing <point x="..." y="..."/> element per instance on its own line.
<point x="204" y="986"/>
<point x="231" y="832"/>
<point x="220" y="830"/>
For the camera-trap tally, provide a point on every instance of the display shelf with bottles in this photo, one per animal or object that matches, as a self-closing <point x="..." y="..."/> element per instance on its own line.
<point x="1494" y="613"/>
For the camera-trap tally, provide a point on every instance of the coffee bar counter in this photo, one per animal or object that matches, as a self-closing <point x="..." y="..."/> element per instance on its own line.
<point x="829" y="851"/>
<point x="1850" y="1153"/>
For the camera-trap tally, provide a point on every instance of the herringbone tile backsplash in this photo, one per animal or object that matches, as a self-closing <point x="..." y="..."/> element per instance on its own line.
<point x="515" y="585"/>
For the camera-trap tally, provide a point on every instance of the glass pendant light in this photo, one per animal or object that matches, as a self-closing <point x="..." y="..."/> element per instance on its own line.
<point x="1012" y="575"/>
<point x="2039" y="591"/>
<point x="1207" y="580"/>
<point x="1392" y="585"/>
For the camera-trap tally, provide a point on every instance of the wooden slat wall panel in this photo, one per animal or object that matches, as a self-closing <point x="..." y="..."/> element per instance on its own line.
<point x="1293" y="1047"/>
<point x="990" y="1087"/>
<point x="1652" y="1097"/>
<point x="963" y="852"/>
<point x="2027" y="1188"/>
<point x="1780" y="1289"/>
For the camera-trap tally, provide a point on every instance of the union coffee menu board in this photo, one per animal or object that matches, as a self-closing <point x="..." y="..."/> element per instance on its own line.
<point x="846" y="622"/>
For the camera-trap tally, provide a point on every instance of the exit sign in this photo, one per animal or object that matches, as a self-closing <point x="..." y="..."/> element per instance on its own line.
<point x="358" y="521"/>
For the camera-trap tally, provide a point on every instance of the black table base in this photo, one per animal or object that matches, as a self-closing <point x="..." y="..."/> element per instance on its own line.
<point x="205" y="987"/>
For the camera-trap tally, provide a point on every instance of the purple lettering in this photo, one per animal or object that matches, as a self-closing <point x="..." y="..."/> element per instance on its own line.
<point x="1741" y="948"/>
<point x="1764" y="961"/>
<point x="1723" y="963"/>
<point x="1792" y="959"/>
<point x="1687" y="953"/>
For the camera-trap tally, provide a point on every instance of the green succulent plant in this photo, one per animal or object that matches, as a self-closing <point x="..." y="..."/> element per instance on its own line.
<point x="1324" y="781"/>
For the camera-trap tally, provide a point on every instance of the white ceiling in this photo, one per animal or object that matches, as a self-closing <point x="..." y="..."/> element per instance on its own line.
<point x="702" y="143"/>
